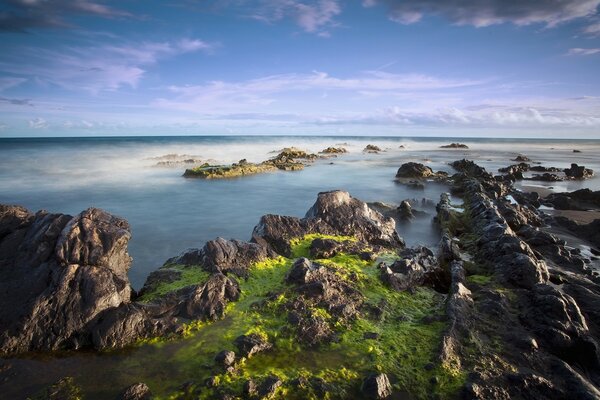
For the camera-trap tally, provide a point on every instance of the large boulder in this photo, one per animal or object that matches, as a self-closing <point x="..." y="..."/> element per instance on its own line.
<point x="334" y="213"/>
<point x="57" y="273"/>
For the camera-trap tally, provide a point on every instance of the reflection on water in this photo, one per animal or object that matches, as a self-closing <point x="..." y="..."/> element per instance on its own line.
<point x="168" y="213"/>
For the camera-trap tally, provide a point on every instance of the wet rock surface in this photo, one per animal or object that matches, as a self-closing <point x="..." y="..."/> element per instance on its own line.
<point x="455" y="146"/>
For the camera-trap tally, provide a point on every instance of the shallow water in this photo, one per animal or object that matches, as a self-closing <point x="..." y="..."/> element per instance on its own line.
<point x="169" y="213"/>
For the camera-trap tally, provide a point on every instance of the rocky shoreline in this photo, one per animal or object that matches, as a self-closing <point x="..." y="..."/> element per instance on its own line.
<point x="501" y="309"/>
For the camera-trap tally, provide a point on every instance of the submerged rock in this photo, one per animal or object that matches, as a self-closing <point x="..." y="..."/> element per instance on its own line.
<point x="371" y="148"/>
<point x="455" y="146"/>
<point x="521" y="158"/>
<point x="578" y="172"/>
<point x="334" y="150"/>
<point x="581" y="200"/>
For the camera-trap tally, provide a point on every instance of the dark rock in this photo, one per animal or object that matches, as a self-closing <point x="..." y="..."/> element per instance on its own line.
<point x="137" y="391"/>
<point x="455" y="146"/>
<point x="251" y="344"/>
<point x="268" y="387"/>
<point x="57" y="273"/>
<point x="371" y="335"/>
<point x="404" y="211"/>
<point x="521" y="158"/>
<point x="411" y="270"/>
<point x="576" y="151"/>
<point x="324" y="248"/>
<point x="582" y="200"/>
<point x="377" y="386"/>
<point x="589" y="232"/>
<point x="225" y="358"/>
<point x="579" y="172"/>
<point x="64" y="389"/>
<point x="250" y="388"/>
<point x="546" y="177"/>
<point x="539" y="168"/>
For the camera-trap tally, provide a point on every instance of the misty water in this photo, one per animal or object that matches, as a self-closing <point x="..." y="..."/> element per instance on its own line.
<point x="169" y="213"/>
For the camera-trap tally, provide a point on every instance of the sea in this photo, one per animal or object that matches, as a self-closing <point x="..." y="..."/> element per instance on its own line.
<point x="169" y="213"/>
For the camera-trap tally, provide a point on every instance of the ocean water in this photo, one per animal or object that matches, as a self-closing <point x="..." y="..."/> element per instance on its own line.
<point x="169" y="213"/>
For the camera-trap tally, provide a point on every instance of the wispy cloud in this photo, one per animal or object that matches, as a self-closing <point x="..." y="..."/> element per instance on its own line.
<point x="16" y="102"/>
<point x="38" y="123"/>
<point x="95" y="69"/>
<point x="583" y="52"/>
<point x="262" y="91"/>
<point x="8" y="82"/>
<point x="312" y="16"/>
<point x="24" y="15"/>
<point x="485" y="13"/>
<point x="592" y="29"/>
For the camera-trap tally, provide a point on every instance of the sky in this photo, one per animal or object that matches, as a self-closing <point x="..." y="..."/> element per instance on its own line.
<point x="501" y="68"/>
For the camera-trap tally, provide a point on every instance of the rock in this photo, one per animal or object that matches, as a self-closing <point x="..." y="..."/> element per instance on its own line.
<point x="576" y="151"/>
<point x="404" y="211"/>
<point x="268" y="387"/>
<point x="414" y="170"/>
<point x="225" y="358"/>
<point x="57" y="273"/>
<point x="581" y="200"/>
<point x="589" y="232"/>
<point x="521" y="158"/>
<point x="579" y="172"/>
<point x="371" y="335"/>
<point x="251" y="344"/>
<point x="411" y="270"/>
<point x="137" y="391"/>
<point x="371" y="148"/>
<point x="324" y="248"/>
<point x="455" y="146"/>
<point x="546" y="177"/>
<point x="377" y="386"/>
<point x="334" y="150"/>
<point x="243" y="168"/>
<point x="64" y="389"/>
<point x="539" y="168"/>
<point x="250" y="388"/>
<point x="515" y="171"/>
<point x="334" y="213"/>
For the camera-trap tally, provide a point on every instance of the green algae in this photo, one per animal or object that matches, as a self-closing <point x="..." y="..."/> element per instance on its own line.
<point x="189" y="275"/>
<point x="479" y="279"/>
<point x="301" y="246"/>
<point x="408" y="332"/>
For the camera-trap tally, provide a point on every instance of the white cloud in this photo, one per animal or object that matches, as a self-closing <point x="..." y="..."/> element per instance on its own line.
<point x="490" y="12"/>
<point x="315" y="16"/>
<point x="583" y="52"/>
<point x="96" y="69"/>
<point x="38" y="123"/>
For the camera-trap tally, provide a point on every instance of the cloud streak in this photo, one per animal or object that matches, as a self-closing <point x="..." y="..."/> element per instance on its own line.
<point x="95" y="69"/>
<point x="489" y="12"/>
<point x="583" y="52"/>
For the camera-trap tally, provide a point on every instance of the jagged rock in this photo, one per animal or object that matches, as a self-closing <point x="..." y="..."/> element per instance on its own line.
<point x="377" y="386"/>
<point x="521" y="158"/>
<point x="251" y="344"/>
<point x="579" y="172"/>
<point x="515" y="171"/>
<point x="546" y="177"/>
<point x="225" y="358"/>
<point x="454" y="146"/>
<point x="334" y="213"/>
<point x="57" y="273"/>
<point x="137" y="391"/>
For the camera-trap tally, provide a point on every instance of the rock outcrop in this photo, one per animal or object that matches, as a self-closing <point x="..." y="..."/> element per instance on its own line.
<point x="334" y="213"/>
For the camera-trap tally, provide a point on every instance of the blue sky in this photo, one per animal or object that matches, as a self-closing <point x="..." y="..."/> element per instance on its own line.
<point x="524" y="68"/>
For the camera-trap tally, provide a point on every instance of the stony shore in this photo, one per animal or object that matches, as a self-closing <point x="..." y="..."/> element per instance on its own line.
<point x="501" y="309"/>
